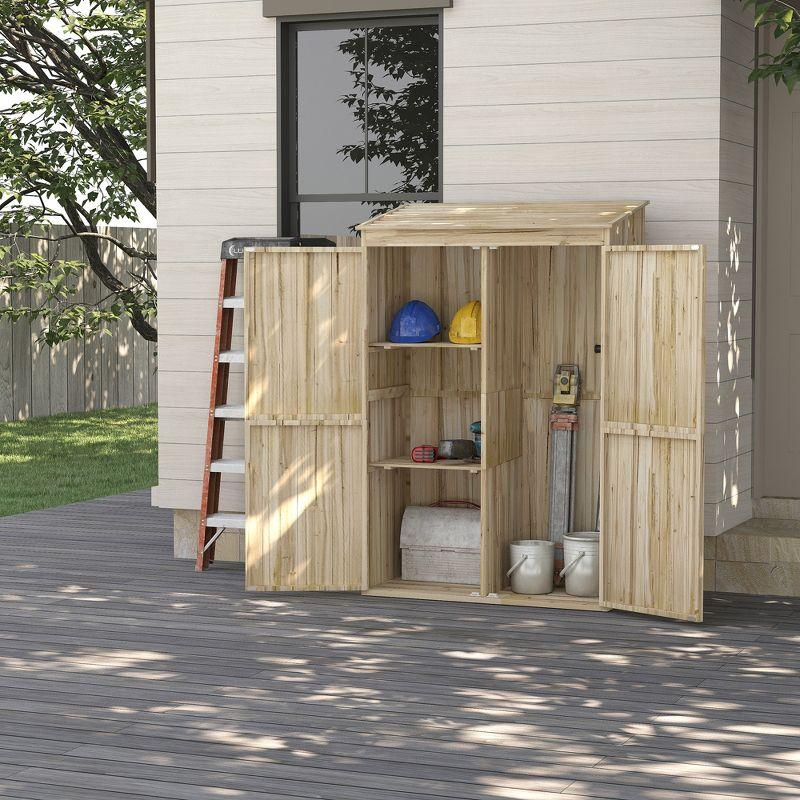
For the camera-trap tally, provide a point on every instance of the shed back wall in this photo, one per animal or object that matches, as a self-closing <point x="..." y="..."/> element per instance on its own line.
<point x="597" y="99"/>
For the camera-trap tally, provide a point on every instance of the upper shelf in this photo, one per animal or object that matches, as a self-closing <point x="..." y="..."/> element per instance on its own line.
<point x="423" y="346"/>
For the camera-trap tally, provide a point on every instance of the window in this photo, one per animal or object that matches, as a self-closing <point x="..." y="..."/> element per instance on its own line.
<point x="360" y="120"/>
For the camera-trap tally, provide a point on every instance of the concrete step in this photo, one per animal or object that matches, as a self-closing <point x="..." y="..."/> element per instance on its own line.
<point x="760" y="556"/>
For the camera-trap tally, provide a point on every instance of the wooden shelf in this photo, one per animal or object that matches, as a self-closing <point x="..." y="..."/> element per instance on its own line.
<point x="405" y="462"/>
<point x="423" y="346"/>
<point x="463" y="593"/>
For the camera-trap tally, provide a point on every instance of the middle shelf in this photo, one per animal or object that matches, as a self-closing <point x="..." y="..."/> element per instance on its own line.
<point x="405" y="462"/>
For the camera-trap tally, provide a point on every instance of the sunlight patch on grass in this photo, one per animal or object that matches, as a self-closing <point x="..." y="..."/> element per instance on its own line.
<point x="52" y="461"/>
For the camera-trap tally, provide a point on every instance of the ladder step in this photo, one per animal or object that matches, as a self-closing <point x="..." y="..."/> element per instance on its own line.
<point x="232" y="465"/>
<point x="225" y="519"/>
<point x="231" y="357"/>
<point x="212" y="521"/>
<point x="229" y="412"/>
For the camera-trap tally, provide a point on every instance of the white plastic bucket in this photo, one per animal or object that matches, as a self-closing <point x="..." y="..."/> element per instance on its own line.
<point x="531" y="566"/>
<point x="582" y="564"/>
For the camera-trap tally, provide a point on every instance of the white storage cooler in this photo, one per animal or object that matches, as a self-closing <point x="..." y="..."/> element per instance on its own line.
<point x="441" y="545"/>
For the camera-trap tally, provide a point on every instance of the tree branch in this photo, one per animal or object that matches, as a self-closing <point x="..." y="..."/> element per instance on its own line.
<point x="109" y="280"/>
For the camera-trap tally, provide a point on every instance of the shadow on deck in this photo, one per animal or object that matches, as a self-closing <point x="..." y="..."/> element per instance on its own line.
<point x="125" y="675"/>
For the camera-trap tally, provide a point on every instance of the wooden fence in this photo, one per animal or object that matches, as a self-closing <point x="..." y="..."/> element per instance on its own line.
<point x="103" y="372"/>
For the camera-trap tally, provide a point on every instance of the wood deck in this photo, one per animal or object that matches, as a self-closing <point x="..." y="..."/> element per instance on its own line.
<point x="126" y="675"/>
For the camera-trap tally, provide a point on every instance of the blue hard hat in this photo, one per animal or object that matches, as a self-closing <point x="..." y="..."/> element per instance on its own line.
<point x="414" y="323"/>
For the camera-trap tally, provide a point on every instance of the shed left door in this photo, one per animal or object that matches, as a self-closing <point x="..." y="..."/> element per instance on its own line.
<point x="305" y="439"/>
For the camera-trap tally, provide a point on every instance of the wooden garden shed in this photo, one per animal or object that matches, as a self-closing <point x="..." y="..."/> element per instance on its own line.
<point x="333" y="409"/>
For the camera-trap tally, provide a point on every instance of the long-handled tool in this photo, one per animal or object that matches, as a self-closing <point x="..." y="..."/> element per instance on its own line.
<point x="563" y="449"/>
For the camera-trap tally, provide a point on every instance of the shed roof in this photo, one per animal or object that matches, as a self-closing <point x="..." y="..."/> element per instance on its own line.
<point x="500" y="224"/>
<point x="484" y="217"/>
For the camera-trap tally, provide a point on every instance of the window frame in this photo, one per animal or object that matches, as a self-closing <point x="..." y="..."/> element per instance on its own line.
<point x="288" y="196"/>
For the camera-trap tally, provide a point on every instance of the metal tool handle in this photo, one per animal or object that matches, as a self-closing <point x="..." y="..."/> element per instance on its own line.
<point x="571" y="564"/>
<point x="516" y="566"/>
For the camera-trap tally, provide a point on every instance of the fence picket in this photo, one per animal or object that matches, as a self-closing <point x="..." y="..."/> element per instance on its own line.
<point x="40" y="357"/>
<point x="6" y="362"/>
<point x="102" y="372"/>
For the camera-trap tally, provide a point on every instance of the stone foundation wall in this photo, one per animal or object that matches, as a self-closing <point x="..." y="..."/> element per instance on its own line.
<point x="761" y="556"/>
<point x="230" y="546"/>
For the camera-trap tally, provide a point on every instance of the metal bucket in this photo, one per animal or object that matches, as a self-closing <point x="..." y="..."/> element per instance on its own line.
<point x="582" y="564"/>
<point x="532" y="566"/>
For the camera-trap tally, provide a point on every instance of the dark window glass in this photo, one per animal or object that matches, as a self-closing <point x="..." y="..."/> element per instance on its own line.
<point x="403" y="92"/>
<point x="361" y="122"/>
<point x="323" y="219"/>
<point x="324" y="121"/>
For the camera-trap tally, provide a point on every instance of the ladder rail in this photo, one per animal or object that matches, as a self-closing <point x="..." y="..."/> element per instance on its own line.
<point x="215" y="437"/>
<point x="213" y="540"/>
<point x="212" y="522"/>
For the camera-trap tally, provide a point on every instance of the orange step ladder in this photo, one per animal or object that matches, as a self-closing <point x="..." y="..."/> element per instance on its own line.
<point x="213" y="522"/>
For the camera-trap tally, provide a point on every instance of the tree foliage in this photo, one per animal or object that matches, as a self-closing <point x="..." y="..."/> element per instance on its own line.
<point x="395" y="97"/>
<point x="72" y="80"/>
<point x="782" y="18"/>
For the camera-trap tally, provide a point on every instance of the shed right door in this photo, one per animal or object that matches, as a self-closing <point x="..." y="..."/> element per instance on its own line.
<point x="651" y="507"/>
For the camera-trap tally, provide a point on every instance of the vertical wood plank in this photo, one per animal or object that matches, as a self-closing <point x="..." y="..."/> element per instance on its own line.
<point x="125" y="332"/>
<point x="6" y="359"/>
<point x="71" y="250"/>
<point x="152" y="372"/>
<point x="424" y="266"/>
<point x="58" y="378"/>
<point x="561" y="317"/>
<point x="40" y="352"/>
<point x="501" y="409"/>
<point x="152" y="348"/>
<point x="108" y="342"/>
<point x="59" y="354"/>
<point x="141" y="370"/>
<point x="387" y="426"/>
<point x="93" y="376"/>
<point x="21" y="351"/>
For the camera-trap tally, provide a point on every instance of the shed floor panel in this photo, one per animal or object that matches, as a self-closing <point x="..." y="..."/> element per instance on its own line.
<point x="124" y="675"/>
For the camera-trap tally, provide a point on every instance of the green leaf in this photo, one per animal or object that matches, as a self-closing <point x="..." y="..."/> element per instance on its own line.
<point x="59" y="144"/>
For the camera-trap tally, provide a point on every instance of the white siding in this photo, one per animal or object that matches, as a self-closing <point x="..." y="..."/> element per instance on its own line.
<point x="217" y="178"/>
<point x="620" y="100"/>
<point x="596" y="99"/>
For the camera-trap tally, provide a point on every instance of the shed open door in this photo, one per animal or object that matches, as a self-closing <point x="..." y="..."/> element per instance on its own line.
<point x="652" y="431"/>
<point x="304" y="443"/>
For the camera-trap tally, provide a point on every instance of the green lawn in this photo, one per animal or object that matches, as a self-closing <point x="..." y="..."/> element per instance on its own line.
<point x="51" y="461"/>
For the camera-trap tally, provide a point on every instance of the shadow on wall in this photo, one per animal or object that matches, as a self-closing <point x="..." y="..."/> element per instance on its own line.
<point x="730" y="395"/>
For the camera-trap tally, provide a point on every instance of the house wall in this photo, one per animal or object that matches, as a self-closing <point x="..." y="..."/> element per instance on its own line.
<point x="777" y="438"/>
<point x="216" y="134"/>
<point x="542" y="100"/>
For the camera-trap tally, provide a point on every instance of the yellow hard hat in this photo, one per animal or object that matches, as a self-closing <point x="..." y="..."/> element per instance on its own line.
<point x="466" y="325"/>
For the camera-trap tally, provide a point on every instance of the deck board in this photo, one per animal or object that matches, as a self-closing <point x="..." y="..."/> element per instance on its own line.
<point x="125" y="675"/>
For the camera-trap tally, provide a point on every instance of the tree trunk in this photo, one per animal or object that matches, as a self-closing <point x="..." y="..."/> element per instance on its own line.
<point x="107" y="278"/>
